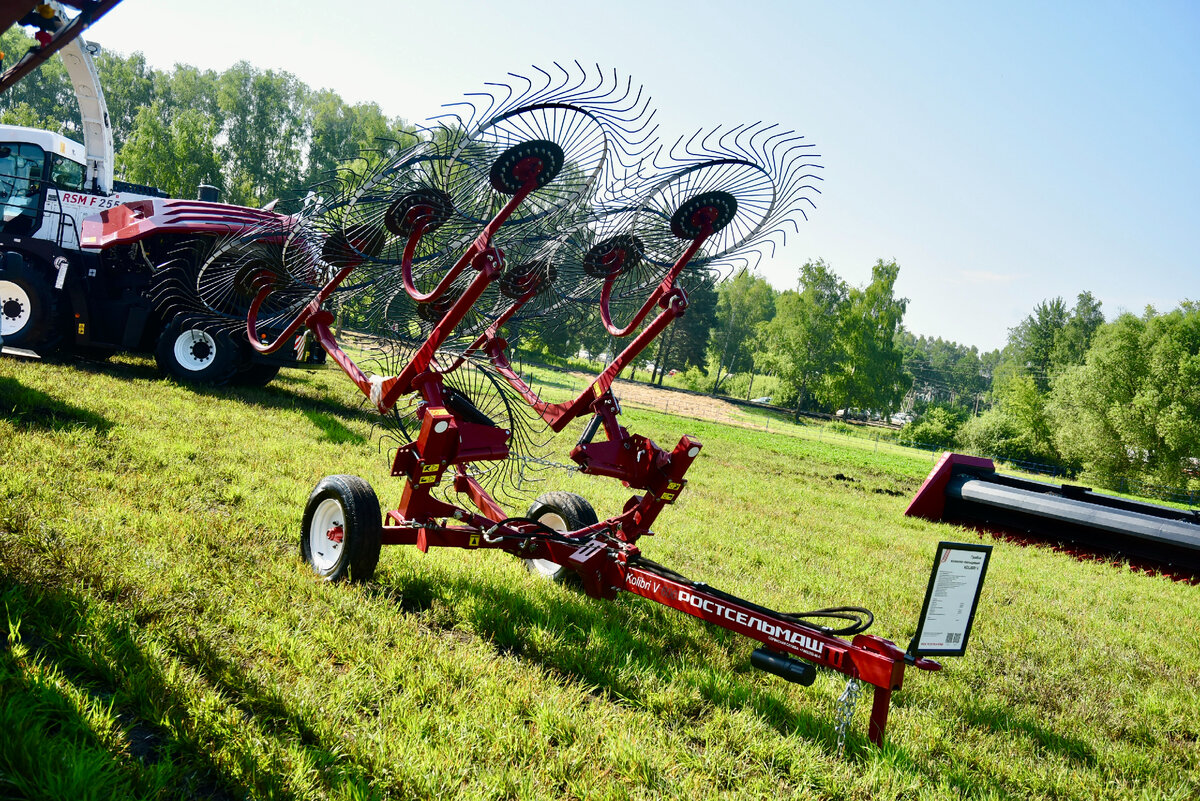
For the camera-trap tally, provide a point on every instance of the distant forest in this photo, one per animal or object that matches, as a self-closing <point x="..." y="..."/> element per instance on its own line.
<point x="1111" y="401"/>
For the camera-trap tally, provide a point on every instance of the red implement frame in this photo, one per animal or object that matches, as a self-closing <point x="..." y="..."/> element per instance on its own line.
<point x="604" y="554"/>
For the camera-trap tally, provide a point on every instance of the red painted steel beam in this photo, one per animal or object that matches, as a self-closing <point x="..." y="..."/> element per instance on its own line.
<point x="930" y="500"/>
<point x="608" y="567"/>
<point x="89" y="12"/>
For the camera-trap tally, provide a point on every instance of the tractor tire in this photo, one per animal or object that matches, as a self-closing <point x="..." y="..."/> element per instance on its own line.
<point x="188" y="352"/>
<point x="342" y="528"/>
<point x="27" y="310"/>
<point x="560" y="511"/>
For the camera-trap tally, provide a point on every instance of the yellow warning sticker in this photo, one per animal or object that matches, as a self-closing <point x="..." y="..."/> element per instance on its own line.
<point x="430" y="468"/>
<point x="673" y="485"/>
<point x="667" y="496"/>
<point x="428" y="479"/>
<point x="473" y="542"/>
<point x="81" y="328"/>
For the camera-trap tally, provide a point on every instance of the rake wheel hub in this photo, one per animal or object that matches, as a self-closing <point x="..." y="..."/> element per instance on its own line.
<point x="426" y="205"/>
<point x="352" y="244"/>
<point x="521" y="279"/>
<point x="433" y="311"/>
<point x="538" y="160"/>
<point x="613" y="256"/>
<point x="709" y="210"/>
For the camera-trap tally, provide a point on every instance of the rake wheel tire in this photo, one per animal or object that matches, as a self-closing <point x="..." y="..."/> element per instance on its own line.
<point x="188" y="352"/>
<point x="348" y="503"/>
<point x="561" y="511"/>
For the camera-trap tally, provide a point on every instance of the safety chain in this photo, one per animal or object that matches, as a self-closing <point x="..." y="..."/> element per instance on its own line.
<point x="845" y="712"/>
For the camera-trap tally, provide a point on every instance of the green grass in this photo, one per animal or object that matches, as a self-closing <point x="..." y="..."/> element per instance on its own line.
<point x="159" y="637"/>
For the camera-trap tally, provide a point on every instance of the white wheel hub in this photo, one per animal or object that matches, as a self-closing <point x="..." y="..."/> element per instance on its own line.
<point x="544" y="567"/>
<point x="15" y="308"/>
<point x="194" y="350"/>
<point x="326" y="535"/>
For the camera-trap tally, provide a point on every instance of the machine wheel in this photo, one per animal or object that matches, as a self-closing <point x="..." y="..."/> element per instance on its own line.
<point x="255" y="374"/>
<point x="188" y="352"/>
<point x="561" y="511"/>
<point x="26" y="309"/>
<point x="340" y="535"/>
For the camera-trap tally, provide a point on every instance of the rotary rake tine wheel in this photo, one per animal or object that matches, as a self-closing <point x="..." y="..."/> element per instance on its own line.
<point x="588" y="126"/>
<point x="522" y="169"/>
<point x="540" y="201"/>
<point x="561" y="148"/>
<point x="215" y="277"/>
<point x="374" y="204"/>
<point x="722" y="196"/>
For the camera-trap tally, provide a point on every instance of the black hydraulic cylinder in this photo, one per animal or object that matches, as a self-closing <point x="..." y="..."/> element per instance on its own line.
<point x="589" y="432"/>
<point x="784" y="666"/>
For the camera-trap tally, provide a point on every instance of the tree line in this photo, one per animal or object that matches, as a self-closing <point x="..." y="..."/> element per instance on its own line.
<point x="1112" y="402"/>
<point x="255" y="134"/>
<point x="1109" y="400"/>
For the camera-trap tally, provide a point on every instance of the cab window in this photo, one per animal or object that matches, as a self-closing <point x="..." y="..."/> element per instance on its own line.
<point x="66" y="174"/>
<point x="21" y="167"/>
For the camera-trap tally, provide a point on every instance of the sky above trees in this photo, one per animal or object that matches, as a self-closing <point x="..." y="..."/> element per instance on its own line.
<point x="1003" y="155"/>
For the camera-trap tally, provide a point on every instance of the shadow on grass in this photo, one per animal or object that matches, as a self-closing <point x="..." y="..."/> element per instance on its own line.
<point x="45" y="721"/>
<point x="607" y="649"/>
<point x="127" y="370"/>
<point x="322" y="411"/>
<point x="600" y="647"/>
<point x="1003" y="719"/>
<point x="332" y="429"/>
<point x="279" y="394"/>
<point x="170" y="752"/>
<point x="29" y="409"/>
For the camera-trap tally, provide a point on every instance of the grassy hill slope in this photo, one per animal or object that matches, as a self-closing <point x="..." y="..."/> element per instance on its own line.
<point x="159" y="636"/>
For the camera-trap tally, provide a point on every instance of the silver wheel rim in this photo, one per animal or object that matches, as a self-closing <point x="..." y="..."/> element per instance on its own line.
<point x="14" y="301"/>
<point x="544" y="567"/>
<point x="325" y="552"/>
<point x="194" y="350"/>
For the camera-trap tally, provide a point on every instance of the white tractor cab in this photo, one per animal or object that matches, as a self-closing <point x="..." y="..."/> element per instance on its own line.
<point x="58" y="290"/>
<point x="44" y="192"/>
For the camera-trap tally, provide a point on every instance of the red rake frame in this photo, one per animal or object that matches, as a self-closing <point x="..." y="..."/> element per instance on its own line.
<point x="604" y="554"/>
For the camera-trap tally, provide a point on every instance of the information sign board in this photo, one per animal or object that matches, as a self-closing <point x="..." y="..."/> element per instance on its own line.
<point x="951" y="599"/>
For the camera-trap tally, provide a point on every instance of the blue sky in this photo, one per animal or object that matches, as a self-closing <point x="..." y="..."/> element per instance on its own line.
<point x="1001" y="155"/>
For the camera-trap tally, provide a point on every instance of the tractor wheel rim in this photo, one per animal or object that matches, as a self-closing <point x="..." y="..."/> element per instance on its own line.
<point x="544" y="567"/>
<point x="195" y="350"/>
<point x="15" y="308"/>
<point x="325" y="551"/>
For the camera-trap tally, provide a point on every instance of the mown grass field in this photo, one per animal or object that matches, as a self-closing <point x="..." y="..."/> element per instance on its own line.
<point x="159" y="637"/>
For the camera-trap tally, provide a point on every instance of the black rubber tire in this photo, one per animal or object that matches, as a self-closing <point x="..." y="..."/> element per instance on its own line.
<point x="561" y="511"/>
<point x="255" y="374"/>
<point x="350" y="502"/>
<point x="27" y="301"/>
<point x="209" y="357"/>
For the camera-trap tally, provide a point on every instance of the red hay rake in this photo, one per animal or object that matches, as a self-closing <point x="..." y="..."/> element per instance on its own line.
<point x="543" y="201"/>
